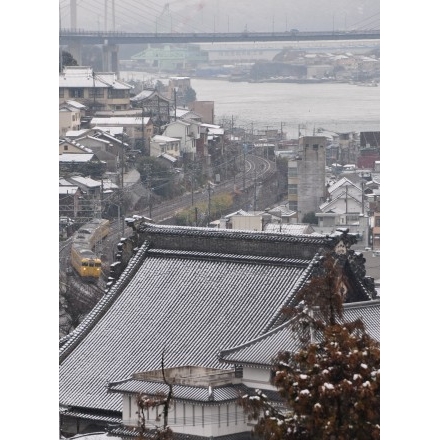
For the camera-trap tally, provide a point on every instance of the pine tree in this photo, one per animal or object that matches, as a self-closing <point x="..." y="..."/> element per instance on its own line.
<point x="331" y="388"/>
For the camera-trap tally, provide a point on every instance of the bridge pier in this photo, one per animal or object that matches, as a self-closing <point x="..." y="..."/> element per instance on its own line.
<point x="110" y="61"/>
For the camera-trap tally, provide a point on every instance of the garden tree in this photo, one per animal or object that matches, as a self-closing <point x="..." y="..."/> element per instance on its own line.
<point x="310" y="217"/>
<point x="66" y="60"/>
<point x="146" y="402"/>
<point x="189" y="96"/>
<point x="157" y="177"/>
<point x="197" y="215"/>
<point x="331" y="387"/>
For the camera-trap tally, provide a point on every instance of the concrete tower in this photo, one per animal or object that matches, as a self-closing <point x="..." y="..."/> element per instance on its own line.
<point x="306" y="176"/>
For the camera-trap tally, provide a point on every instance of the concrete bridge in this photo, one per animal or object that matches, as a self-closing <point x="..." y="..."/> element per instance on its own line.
<point x="110" y="40"/>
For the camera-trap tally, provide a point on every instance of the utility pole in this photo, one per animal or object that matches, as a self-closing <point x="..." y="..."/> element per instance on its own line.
<point x="209" y="204"/>
<point x="192" y="187"/>
<point x="255" y="190"/>
<point x="175" y="104"/>
<point x="143" y="131"/>
<point x="244" y="166"/>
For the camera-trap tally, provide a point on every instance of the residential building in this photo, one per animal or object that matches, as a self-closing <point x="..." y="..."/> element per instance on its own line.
<point x="164" y="144"/>
<point x="205" y="109"/>
<point x="155" y="105"/>
<point x="178" y="295"/>
<point x="96" y="90"/>
<point x="72" y="146"/>
<point x="85" y="163"/>
<point x="188" y="132"/>
<point x="70" y="117"/>
<point x="138" y="129"/>
<point x="107" y="148"/>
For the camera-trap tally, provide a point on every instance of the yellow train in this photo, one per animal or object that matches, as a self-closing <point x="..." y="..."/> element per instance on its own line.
<point x="82" y="256"/>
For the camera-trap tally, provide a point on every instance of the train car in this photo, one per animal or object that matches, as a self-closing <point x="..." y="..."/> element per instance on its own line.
<point x="86" y="263"/>
<point x="83" y="258"/>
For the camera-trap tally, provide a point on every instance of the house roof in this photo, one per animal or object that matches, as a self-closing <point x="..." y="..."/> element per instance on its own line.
<point x="168" y="157"/>
<point x="332" y="205"/>
<point x="77" y="133"/>
<point x="76" y="157"/>
<point x="289" y="229"/>
<point x="146" y="95"/>
<point x="223" y="393"/>
<point x="75" y="144"/>
<point x="343" y="181"/>
<point x="68" y="189"/>
<point x="261" y="350"/>
<point x="160" y="138"/>
<point x="109" y="129"/>
<point x="121" y="121"/>
<point x="76" y="104"/>
<point x="189" y="292"/>
<point x="86" y="181"/>
<point x="82" y="76"/>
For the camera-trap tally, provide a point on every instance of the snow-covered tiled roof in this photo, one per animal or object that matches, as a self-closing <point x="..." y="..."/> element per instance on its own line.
<point x="188" y="293"/>
<point x="77" y="133"/>
<point x="76" y="104"/>
<point x="193" y="304"/>
<point x="148" y="94"/>
<point x="160" y="138"/>
<point x="68" y="189"/>
<point x="341" y="182"/>
<point x="289" y="228"/>
<point x="86" y="181"/>
<point x="168" y="157"/>
<point x="76" y="157"/>
<point x="120" y="121"/>
<point x="180" y="392"/>
<point x="80" y="76"/>
<point x="261" y="350"/>
<point x="109" y="129"/>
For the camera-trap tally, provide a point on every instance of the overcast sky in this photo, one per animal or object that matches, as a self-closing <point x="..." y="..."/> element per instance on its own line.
<point x="222" y="15"/>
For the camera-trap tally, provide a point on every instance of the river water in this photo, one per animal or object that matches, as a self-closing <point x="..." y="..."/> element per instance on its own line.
<point x="337" y="107"/>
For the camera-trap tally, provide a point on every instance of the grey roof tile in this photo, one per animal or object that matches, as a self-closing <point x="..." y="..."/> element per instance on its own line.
<point x="188" y="304"/>
<point x="261" y="350"/>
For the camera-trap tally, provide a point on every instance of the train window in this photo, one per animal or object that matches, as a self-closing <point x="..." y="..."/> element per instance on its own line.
<point x="97" y="264"/>
<point x="84" y="263"/>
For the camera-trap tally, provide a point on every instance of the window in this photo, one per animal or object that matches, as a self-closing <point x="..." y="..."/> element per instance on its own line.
<point x="97" y="92"/>
<point x="112" y="94"/>
<point x="292" y="188"/>
<point x="66" y="147"/>
<point x="61" y="92"/>
<point x="76" y="93"/>
<point x="292" y="172"/>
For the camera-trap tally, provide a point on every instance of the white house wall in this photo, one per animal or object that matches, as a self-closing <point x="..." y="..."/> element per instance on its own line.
<point x="193" y="419"/>
<point x="254" y="377"/>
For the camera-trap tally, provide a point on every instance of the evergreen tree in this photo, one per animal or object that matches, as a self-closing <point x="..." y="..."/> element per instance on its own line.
<point x="331" y="388"/>
<point x="66" y="60"/>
